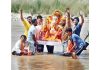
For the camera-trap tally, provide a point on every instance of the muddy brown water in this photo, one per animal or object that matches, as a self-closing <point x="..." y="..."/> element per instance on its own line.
<point x="46" y="61"/>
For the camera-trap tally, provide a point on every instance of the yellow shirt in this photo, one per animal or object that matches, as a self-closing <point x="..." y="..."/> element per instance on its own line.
<point x="26" y="27"/>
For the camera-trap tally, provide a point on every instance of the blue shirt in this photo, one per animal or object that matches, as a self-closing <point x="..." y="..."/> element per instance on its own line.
<point x="75" y="38"/>
<point x="77" y="29"/>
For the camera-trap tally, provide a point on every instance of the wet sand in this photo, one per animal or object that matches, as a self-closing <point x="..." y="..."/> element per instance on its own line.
<point x="46" y="61"/>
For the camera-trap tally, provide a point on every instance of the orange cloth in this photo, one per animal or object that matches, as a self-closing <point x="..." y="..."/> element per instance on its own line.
<point x="59" y="32"/>
<point x="59" y="19"/>
<point x="69" y="47"/>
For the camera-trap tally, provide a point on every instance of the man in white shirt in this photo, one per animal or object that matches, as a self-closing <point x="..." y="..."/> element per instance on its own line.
<point x="31" y="36"/>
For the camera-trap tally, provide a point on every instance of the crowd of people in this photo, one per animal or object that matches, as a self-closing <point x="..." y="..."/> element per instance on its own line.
<point x="58" y="27"/>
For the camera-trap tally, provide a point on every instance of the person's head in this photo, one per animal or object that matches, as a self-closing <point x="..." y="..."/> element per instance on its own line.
<point x="29" y="19"/>
<point x="39" y="19"/>
<point x="34" y="22"/>
<point x="76" y="20"/>
<point x="69" y="31"/>
<point x="23" y="38"/>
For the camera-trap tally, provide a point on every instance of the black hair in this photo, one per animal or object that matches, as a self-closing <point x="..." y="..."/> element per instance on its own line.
<point x="29" y="17"/>
<point x="72" y="19"/>
<point x="39" y="17"/>
<point x="23" y="36"/>
<point x="69" y="30"/>
<point x="77" y="18"/>
<point x="33" y="21"/>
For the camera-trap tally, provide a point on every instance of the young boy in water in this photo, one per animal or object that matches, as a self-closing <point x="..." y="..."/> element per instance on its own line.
<point x="21" y="47"/>
<point x="18" y="49"/>
<point x="67" y="24"/>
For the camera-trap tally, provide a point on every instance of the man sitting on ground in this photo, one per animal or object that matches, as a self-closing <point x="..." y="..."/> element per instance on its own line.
<point x="19" y="46"/>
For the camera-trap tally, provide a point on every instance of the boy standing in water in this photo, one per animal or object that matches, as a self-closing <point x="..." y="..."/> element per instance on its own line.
<point x="64" y="34"/>
<point x="39" y="36"/>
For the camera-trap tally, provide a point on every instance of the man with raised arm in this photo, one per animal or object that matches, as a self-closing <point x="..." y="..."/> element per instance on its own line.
<point x="64" y="34"/>
<point x="78" y="26"/>
<point x="26" y="22"/>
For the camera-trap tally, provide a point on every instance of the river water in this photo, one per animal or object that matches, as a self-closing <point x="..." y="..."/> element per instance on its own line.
<point x="46" y="61"/>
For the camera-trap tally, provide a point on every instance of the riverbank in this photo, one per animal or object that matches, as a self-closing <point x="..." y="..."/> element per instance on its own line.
<point x="46" y="7"/>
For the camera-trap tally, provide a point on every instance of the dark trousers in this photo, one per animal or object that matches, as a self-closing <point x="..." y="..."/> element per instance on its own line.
<point x="50" y="48"/>
<point x="78" y="52"/>
<point x="40" y="48"/>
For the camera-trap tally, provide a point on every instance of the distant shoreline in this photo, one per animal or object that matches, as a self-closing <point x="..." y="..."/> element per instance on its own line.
<point x="47" y="7"/>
